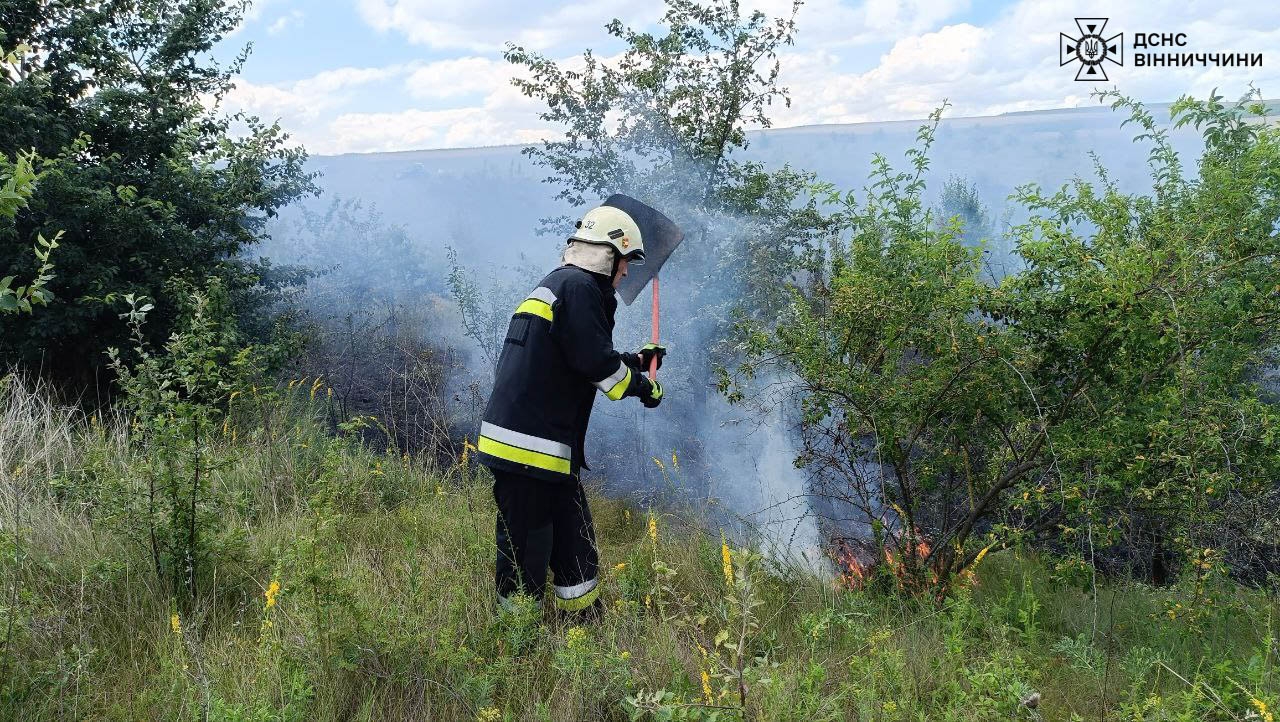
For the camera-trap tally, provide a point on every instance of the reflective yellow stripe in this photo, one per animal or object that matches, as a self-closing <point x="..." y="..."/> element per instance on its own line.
<point x="523" y="456"/>
<point x="535" y="306"/>
<point x="619" y="388"/>
<point x="579" y="603"/>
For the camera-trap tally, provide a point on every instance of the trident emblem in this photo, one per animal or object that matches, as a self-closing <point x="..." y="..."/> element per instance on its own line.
<point x="1091" y="49"/>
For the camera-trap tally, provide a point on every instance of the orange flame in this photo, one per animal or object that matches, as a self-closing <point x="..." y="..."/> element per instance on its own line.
<point x="854" y="572"/>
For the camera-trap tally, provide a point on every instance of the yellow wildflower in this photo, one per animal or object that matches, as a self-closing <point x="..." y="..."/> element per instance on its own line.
<point x="658" y="461"/>
<point x="233" y="396"/>
<point x="674" y="461"/>
<point x="329" y="392"/>
<point x="175" y="623"/>
<point x="225" y="423"/>
<point x="316" y="386"/>
<point x="273" y="590"/>
<point x="626" y="515"/>
<point x="619" y="566"/>
<point x="625" y="655"/>
<point x="726" y="561"/>
<point x="489" y="714"/>
<point x="706" y="686"/>
<point x="575" y="638"/>
<point x="1261" y="706"/>
<point x="653" y="529"/>
<point x="978" y="559"/>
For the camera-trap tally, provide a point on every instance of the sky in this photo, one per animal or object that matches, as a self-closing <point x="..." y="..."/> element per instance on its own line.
<point x="347" y="76"/>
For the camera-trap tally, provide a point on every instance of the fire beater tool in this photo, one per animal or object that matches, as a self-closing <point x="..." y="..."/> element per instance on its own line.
<point x="660" y="236"/>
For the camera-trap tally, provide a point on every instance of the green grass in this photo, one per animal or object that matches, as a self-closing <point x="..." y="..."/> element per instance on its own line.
<point x="385" y="608"/>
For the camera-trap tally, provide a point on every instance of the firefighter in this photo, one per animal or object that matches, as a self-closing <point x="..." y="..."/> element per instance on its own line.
<point x="557" y="354"/>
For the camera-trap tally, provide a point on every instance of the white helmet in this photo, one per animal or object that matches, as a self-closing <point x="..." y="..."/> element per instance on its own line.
<point x="610" y="225"/>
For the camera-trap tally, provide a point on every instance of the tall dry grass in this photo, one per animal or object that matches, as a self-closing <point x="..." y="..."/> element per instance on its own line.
<point x="346" y="583"/>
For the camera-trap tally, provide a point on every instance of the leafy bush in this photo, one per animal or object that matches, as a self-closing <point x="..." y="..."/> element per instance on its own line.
<point x="1105" y="391"/>
<point x="177" y="400"/>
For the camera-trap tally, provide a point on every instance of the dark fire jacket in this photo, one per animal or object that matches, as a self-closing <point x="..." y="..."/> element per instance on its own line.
<point x="558" y="352"/>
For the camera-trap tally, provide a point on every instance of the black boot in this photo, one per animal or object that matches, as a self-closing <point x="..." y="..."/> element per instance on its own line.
<point x="591" y="615"/>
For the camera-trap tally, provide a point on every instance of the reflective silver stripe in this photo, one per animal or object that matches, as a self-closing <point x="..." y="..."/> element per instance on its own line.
<point x="576" y="590"/>
<point x="544" y="294"/>
<point x="525" y="441"/>
<point x="608" y="384"/>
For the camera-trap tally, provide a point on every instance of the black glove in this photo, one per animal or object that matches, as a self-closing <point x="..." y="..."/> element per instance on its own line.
<point x="649" y="391"/>
<point x="649" y="352"/>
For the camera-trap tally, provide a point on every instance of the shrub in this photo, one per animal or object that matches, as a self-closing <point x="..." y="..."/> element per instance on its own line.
<point x="1104" y="391"/>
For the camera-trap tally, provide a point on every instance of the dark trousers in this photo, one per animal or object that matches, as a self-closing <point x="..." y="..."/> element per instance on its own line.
<point x="543" y="524"/>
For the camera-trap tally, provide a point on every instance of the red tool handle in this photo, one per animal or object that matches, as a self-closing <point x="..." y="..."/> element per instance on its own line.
<point x="653" y="361"/>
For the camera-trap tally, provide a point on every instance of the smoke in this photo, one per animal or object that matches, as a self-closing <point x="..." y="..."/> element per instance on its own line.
<point x="774" y="498"/>
<point x="734" y="462"/>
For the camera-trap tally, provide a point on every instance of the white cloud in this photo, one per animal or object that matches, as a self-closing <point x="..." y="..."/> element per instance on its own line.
<point x="486" y="25"/>
<point x="1010" y="63"/>
<point x="459" y="77"/>
<point x="505" y="116"/>
<point x="293" y="18"/>
<point x="320" y="112"/>
<point x="307" y="100"/>
<point x="834" y="23"/>
<point x="252" y="14"/>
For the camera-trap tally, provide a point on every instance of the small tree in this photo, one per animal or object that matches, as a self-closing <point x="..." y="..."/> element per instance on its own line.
<point x="177" y="399"/>
<point x="960" y="198"/>
<point x="663" y="123"/>
<point x="669" y="111"/>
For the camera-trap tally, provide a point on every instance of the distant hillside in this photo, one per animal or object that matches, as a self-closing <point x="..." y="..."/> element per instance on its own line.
<point x="490" y="199"/>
